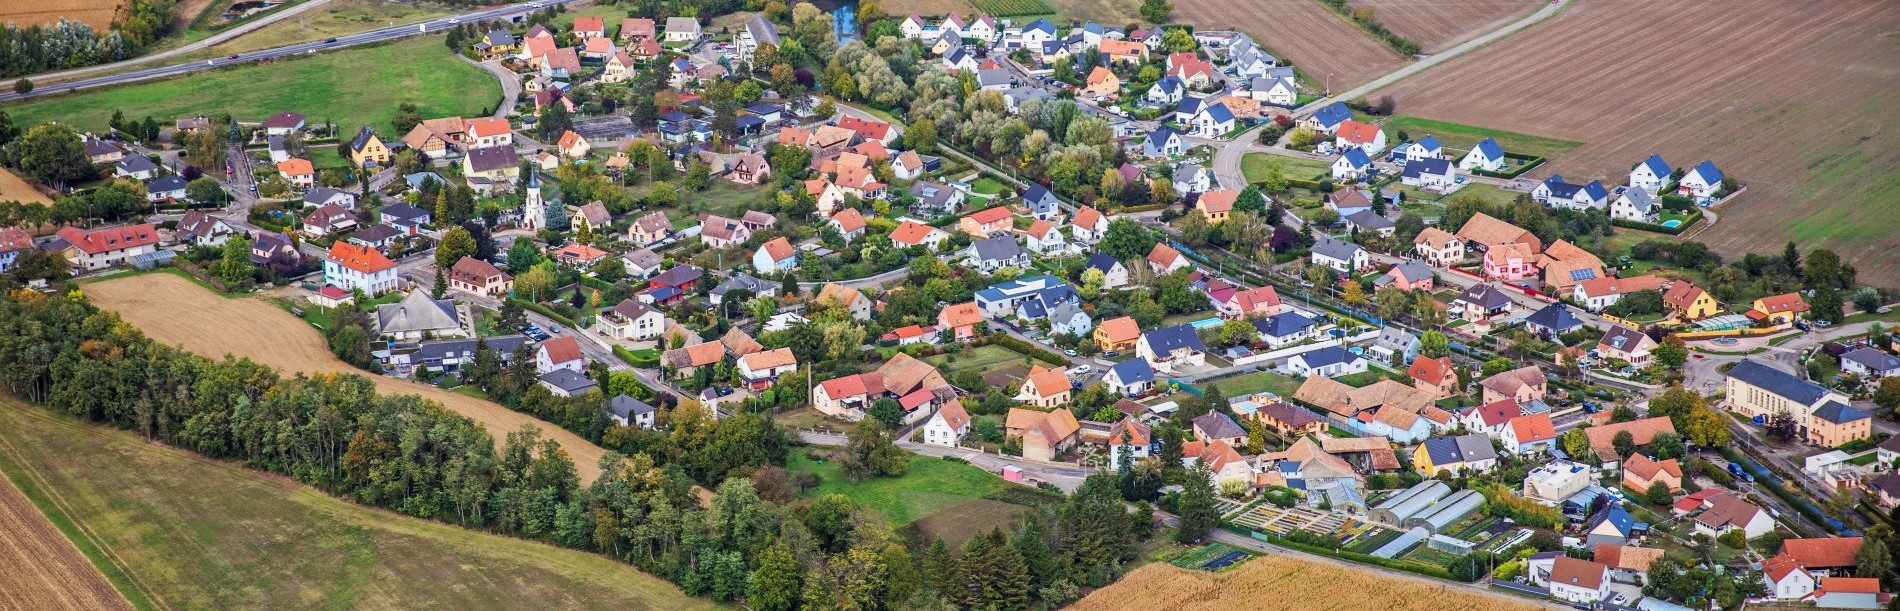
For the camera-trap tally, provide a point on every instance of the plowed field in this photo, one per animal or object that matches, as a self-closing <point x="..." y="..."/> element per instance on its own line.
<point x="1301" y="31"/>
<point x="42" y="569"/>
<point x="1437" y="24"/>
<point x="1795" y="99"/>
<point x="174" y="311"/>
<point x="1274" y="583"/>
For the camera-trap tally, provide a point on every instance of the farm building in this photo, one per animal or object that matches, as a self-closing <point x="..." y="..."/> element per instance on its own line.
<point x="1452" y="510"/>
<point x="1412" y="502"/>
<point x="1399" y="545"/>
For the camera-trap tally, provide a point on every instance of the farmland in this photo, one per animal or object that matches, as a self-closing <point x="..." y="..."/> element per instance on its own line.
<point x="203" y="534"/>
<point x="45" y="570"/>
<point x="339" y="18"/>
<point x="1437" y="25"/>
<point x="351" y="88"/>
<point x="1278" y="582"/>
<point x="172" y="310"/>
<point x="1463" y="137"/>
<point x="14" y="188"/>
<point x="97" y="13"/>
<point x="1309" y="35"/>
<point x="1792" y="99"/>
<point x="1012" y="8"/>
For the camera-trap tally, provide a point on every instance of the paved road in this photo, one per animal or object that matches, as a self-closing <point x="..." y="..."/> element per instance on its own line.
<point x="217" y="39"/>
<point x="372" y="36"/>
<point x="510" y="85"/>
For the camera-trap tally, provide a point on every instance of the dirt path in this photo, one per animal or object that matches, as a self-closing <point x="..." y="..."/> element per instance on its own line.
<point x="175" y="311"/>
<point x="40" y="568"/>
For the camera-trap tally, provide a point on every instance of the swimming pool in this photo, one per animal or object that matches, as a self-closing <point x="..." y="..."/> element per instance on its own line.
<point x="1672" y="223"/>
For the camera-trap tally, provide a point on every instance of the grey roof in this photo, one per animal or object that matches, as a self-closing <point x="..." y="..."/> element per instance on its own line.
<point x="1336" y="249"/>
<point x="500" y="37"/>
<point x="437" y="351"/>
<point x="1166" y="339"/>
<point x="1839" y="413"/>
<point x="1367" y="219"/>
<point x="1622" y="338"/>
<point x="416" y="312"/>
<point x="1641" y="200"/>
<point x="742" y="281"/>
<point x="568" y="381"/>
<point x="763" y="32"/>
<point x="165" y="183"/>
<point x="403" y="212"/>
<point x="642" y="257"/>
<point x="275" y="143"/>
<point x="628" y="407"/>
<point x="1485" y="296"/>
<point x="1330" y="355"/>
<point x="1872" y="358"/>
<point x="1102" y="261"/>
<point x="362" y="137"/>
<point x="1556" y="317"/>
<point x="1776" y="381"/>
<point x="932" y="194"/>
<point x="136" y="163"/>
<point x="1187" y="172"/>
<point x="1429" y="166"/>
<point x="998" y="248"/>
<point x="1463" y="448"/>
<point x="1397" y="339"/>
<point x="687" y="24"/>
<point x="374" y="233"/>
<point x="1218" y="426"/>
<point x="321" y="195"/>
<point x="993" y="76"/>
<point x="487" y="159"/>
<point x="1413" y="270"/>
<point x="1282" y="324"/>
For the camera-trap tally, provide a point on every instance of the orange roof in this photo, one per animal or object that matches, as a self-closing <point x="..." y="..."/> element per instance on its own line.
<point x="1642" y="432"/>
<point x="569" y="139"/>
<point x="562" y="349"/>
<point x="1048" y="382"/>
<point x="1535" y="427"/>
<point x="1648" y="468"/>
<point x="1357" y="132"/>
<point x="911" y="233"/>
<point x="1431" y="370"/>
<point x="538" y="46"/>
<point x="1086" y="217"/>
<point x="581" y="252"/>
<point x="959" y="315"/>
<point x="599" y="44"/>
<point x="296" y="166"/>
<point x="360" y="258"/>
<point x="760" y="361"/>
<point x="872" y="149"/>
<point x="1138" y="434"/>
<point x="1786" y="302"/>
<point x="1122" y="329"/>
<point x="1101" y="75"/>
<point x="1578" y="572"/>
<point x="1053" y="426"/>
<point x="793" y="136"/>
<point x="779" y="249"/>
<point x="103" y="239"/>
<point x="1434" y="237"/>
<point x="1779" y="566"/>
<point x="1857" y="585"/>
<point x="953" y="415"/>
<point x="855" y="385"/>
<point x="1489" y="231"/>
<point x="1823" y="552"/>
<point x="1252" y="299"/>
<point x="1122" y="47"/>
<point x="1040" y="229"/>
<point x="1218" y="200"/>
<point x="1621" y="286"/>
<point x="1163" y="254"/>
<point x="1682" y="295"/>
<point x="849" y="220"/>
<point x="990" y="215"/>
<point x="696" y="355"/>
<point x="1627" y="557"/>
<point x="590" y="24"/>
<point x="868" y="128"/>
<point x="488" y="126"/>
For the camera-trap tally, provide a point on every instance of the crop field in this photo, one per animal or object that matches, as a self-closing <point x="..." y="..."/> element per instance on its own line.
<point x="1012" y="8"/>
<point x="14" y="188"/>
<point x="1793" y="99"/>
<point x="1309" y="35"/>
<point x="45" y="570"/>
<point x="1463" y="137"/>
<point x="960" y="522"/>
<point x="97" y="13"/>
<point x="339" y="18"/>
<point x="173" y="310"/>
<point x="1437" y="25"/>
<point x="352" y="88"/>
<point x="202" y="534"/>
<point x="1275" y="582"/>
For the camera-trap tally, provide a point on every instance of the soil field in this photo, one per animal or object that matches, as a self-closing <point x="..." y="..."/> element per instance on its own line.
<point x="1794" y="99"/>
<point x="44" y="570"/>
<point x="97" y="13"/>
<point x="14" y="188"/>
<point x="1436" y="24"/>
<point x="1275" y="582"/>
<point x="175" y="311"/>
<point x="202" y="534"/>
<point x="1314" y="39"/>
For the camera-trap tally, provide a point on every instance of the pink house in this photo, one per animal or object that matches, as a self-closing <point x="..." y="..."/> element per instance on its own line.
<point x="1408" y="275"/>
<point x="1510" y="262"/>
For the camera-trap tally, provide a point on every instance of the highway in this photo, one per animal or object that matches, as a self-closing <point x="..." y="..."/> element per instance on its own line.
<point x="370" y="37"/>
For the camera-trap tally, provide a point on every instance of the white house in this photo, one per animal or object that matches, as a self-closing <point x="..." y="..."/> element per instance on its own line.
<point x="1213" y="121"/>
<point x="1192" y="178"/>
<point x="1636" y="205"/>
<point x="1162" y="142"/>
<point x="632" y="320"/>
<point x="628" y="411"/>
<point x="350" y="266"/>
<point x="1429" y="173"/>
<point x="1649" y="175"/>
<point x="1276" y="91"/>
<point x="1557" y="193"/>
<point x="682" y="29"/>
<point x="948" y="426"/>
<point x="1487" y="156"/>
<point x="1046" y="239"/>
<point x="1351" y="166"/>
<point x="1423" y="148"/>
<point x="1166" y="92"/>
<point x="1330" y="361"/>
<point x="1129" y="378"/>
<point x="1576" y="580"/>
<point x="1701" y="182"/>
<point x="1172" y="349"/>
<point x="1344" y="257"/>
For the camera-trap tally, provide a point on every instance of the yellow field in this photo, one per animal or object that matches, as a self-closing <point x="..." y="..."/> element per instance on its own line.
<point x="97" y="13"/>
<point x="1272" y="583"/>
<point x="339" y="18"/>
<point x="14" y="188"/>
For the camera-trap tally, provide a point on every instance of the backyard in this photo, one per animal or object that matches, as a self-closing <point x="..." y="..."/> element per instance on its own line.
<point x="1254" y="166"/>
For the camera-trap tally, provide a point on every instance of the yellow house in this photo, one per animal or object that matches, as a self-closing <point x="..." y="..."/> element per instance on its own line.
<point x="1690" y="302"/>
<point x="1780" y="309"/>
<point x="1102" y="81"/>
<point x="368" y="150"/>
<point x="1117" y="334"/>
<point x="944" y="44"/>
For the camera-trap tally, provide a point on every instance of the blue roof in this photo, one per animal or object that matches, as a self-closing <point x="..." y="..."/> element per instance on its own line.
<point x="1282" y="324"/>
<point x="1330" y="355"/>
<point x="1707" y="171"/>
<point x="1657" y="165"/>
<point x="1333" y="115"/>
<point x="1041" y="24"/>
<point x="1595" y="190"/>
<point x="1782" y="383"/>
<point x="1560" y="189"/>
<point x="1429" y="143"/>
<point x="1555" y="316"/>
<point x="1220" y="112"/>
<point x="1102" y="261"/>
<point x="1037" y="194"/>
<point x="1463" y="448"/>
<point x="1189" y="106"/>
<point x="663" y="293"/>
<point x="1839" y="413"/>
<point x="1489" y="148"/>
<point x="1134" y="370"/>
<point x="1615" y="515"/>
<point x="1159" y="137"/>
<point x="1427" y="165"/>
<point x="165" y="183"/>
<point x="1169" y="84"/>
<point x="1357" y="158"/>
<point x="1166" y="339"/>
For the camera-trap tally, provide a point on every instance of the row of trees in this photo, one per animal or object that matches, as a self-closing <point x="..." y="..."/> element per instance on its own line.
<point x="72" y="44"/>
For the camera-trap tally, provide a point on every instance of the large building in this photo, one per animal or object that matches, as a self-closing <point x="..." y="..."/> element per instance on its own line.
<point x="90" y="249"/>
<point x="1823" y="417"/>
<point x="350" y="267"/>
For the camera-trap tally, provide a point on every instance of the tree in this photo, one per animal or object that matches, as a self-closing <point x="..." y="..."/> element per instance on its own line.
<point x="522" y="256"/>
<point x="23" y="86"/>
<point x="51" y="153"/>
<point x="775" y="584"/>
<point x="870" y="452"/>
<point x="407" y="117"/>
<point x="1624" y="442"/>
<point x="1434" y="344"/>
<point x="1887" y="394"/>
<point x="1667" y="445"/>
<point x="456" y="243"/>
<point x="1156" y="11"/>
<point x="1672" y="353"/>
<point x="441" y="286"/>
<point x="235" y="269"/>
<point x="1782" y="426"/>
<point x="1496" y="366"/>
<point x="204" y="191"/>
<point x="1354" y="294"/>
<point x="535" y="282"/>
<point x="1126" y="239"/>
<point x="887" y="412"/>
<point x="1575" y="442"/>
<point x="1196" y="507"/>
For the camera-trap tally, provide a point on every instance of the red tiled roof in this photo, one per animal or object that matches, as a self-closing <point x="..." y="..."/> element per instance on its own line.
<point x="1786" y="302"/>
<point x="1431" y="370"/>
<point x="360" y="258"/>
<point x="1357" y="132"/>
<point x="108" y="239"/>
<point x="1577" y="572"/>
<point x="1823" y="552"/>
<point x="562" y="349"/>
<point x="1535" y="427"/>
<point x="910" y="233"/>
<point x="991" y="215"/>
<point x="779" y="249"/>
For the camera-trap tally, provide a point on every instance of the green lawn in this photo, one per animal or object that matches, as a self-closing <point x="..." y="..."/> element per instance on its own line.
<point x="1254" y="166"/>
<point x="929" y="486"/>
<point x="1463" y="137"/>
<point x="195" y="533"/>
<point x="351" y="88"/>
<point x="985" y="185"/>
<point x="1255" y="382"/>
<point x="982" y="359"/>
<point x="1489" y="193"/>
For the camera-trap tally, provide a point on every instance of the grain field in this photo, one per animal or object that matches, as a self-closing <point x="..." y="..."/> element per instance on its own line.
<point x="1313" y="38"/>
<point x="175" y="311"/>
<point x="97" y="13"/>
<point x="1793" y="98"/>
<point x="1438" y="24"/>
<point x="1280" y="583"/>
<point x="39" y="568"/>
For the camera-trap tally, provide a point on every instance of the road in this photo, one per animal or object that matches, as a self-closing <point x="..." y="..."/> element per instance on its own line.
<point x="217" y="39"/>
<point x="372" y="36"/>
<point x="510" y="85"/>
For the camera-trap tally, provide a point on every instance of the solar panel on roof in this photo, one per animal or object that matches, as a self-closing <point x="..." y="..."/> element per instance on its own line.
<point x="1580" y="275"/>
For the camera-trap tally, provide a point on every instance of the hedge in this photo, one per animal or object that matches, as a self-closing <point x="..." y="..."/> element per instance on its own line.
<point x="544" y="311"/>
<point x="1773" y="484"/>
<point x="1027" y="349"/>
<point x="635" y="360"/>
<point x="1527" y="162"/>
<point x="1677" y="230"/>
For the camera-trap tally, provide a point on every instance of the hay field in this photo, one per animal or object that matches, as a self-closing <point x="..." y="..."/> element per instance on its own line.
<point x="175" y="311"/>
<point x="1437" y="24"/>
<point x="97" y="13"/>
<point x="1281" y="583"/>
<point x="1793" y="98"/>
<point x="14" y="188"/>
<point x="1317" y="41"/>
<point x="44" y="570"/>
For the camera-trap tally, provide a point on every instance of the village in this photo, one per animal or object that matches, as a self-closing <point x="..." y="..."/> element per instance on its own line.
<point x="1061" y="250"/>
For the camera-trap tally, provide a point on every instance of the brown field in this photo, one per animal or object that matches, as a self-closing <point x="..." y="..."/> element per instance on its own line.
<point x="14" y="188"/>
<point x="97" y="13"/>
<point x="173" y="310"/>
<point x="1436" y="24"/>
<point x="1301" y="31"/>
<point x="958" y="523"/>
<point x="43" y="569"/>
<point x="1794" y="99"/>
<point x="1270" y="583"/>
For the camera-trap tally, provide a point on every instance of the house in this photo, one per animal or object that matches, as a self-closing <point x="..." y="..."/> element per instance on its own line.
<point x="938" y="199"/>
<point x="199" y="228"/>
<point x="1330" y="361"/>
<point x="1690" y="302"/>
<point x="572" y="145"/>
<point x="1164" y="259"/>
<point x="560" y="353"/>
<point x="961" y="320"/>
<point x="1636" y="205"/>
<point x="489" y="132"/>
<point x="1343" y="257"/>
<point x="491" y="168"/>
<point x="1523" y="385"/>
<point x="1044" y="387"/>
<point x="1803" y="564"/>
<point x="283" y="123"/>
<point x="868" y="129"/>
<point x="593" y="214"/>
<point x="407" y="219"/>
<point x="1781" y="309"/>
<point x="1131" y="435"/>
<point x="849" y="223"/>
<point x="1327" y="120"/>
<point x="472" y="275"/>
<point x="1172" y="349"/>
<point x="1724" y="512"/>
<point x="1042" y="203"/>
<point x="1486" y="155"/>
<point x="1192" y="178"/>
<point x="756" y="32"/>
<point x="1043" y="435"/>
<point x="775" y="257"/>
<point x="1276" y="91"/>
<point x="632" y="320"/>
<point x="1215" y="205"/>
<point x="1480" y="302"/>
<point x="983" y="223"/>
<point x="1628" y="563"/>
<point x="1439" y="247"/>
<point x="1407" y="275"/>
<point x="1130" y="378"/>
<point x="418" y="316"/>
<point x="761" y="370"/>
<point x="1627" y="345"/>
<point x="1213" y="121"/>
<point x="1288" y="420"/>
<point x="378" y="236"/>
<point x="1216" y="426"/>
<point x="1256" y="302"/>
<point x="1640" y="472"/>
<point x="1114" y="274"/>
<point x="321" y="196"/>
<point x="1649" y="176"/>
<point x="636" y="29"/>
<point x="567" y="383"/>
<point x="1701" y="182"/>
<point x="1427" y="147"/>
<point x="750" y="169"/>
<point x="1454" y="455"/>
<point x="367" y="150"/>
<point x="1510" y="262"/>
<point x="1162" y="142"/>
<point x="351" y="267"/>
<point x="1166" y="92"/>
<point x="560" y="63"/>
<point x="1117" y="334"/>
<point x="100" y="150"/>
<point x="165" y="188"/>
<point x="997" y="252"/>
<point x="1352" y="165"/>
<point x="682" y="30"/>
<point x="1435" y="376"/>
<point x="1045" y="239"/>
<point x="1836" y="423"/>
<point x="650" y="229"/>
<point x="90" y="249"/>
<point x="1553" y="482"/>
<point x="628" y="411"/>
<point x="738" y="281"/>
<point x="1870" y="362"/>
<point x="1849" y="593"/>
<point x="1557" y="193"/>
<point x="1552" y="321"/>
<point x="1642" y="432"/>
<point x="267" y="247"/>
<point x="1088" y="225"/>
<point x="948" y="426"/>
<point x="1529" y="434"/>
<point x="1285" y="329"/>
<point x="1430" y="173"/>
<point x="720" y="232"/>
<point x="1193" y="71"/>
<point x="912" y="233"/>
<point x="1492" y="418"/>
<point x="686" y="361"/>
<point x="1489" y="232"/>
<point x="1600" y="293"/>
<point x="577" y="255"/>
<point x="1363" y="136"/>
<point x="280" y="151"/>
<point x="1609" y="525"/>
<point x="1369" y="222"/>
<point x="907" y="165"/>
<point x="1102" y="82"/>
<point x="298" y="172"/>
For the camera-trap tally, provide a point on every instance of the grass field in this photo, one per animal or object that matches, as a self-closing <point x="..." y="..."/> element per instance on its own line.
<point x="351" y="88"/>
<point x="930" y="485"/>
<point x="982" y="359"/>
<point x="1273" y="582"/>
<point x="171" y="309"/>
<point x="198" y="533"/>
<point x="1248" y="384"/>
<point x="1254" y="166"/>
<point x="1463" y="137"/>
<point x="45" y="569"/>
<point x="1489" y="193"/>
<point x="340" y="18"/>
<point x="15" y="188"/>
